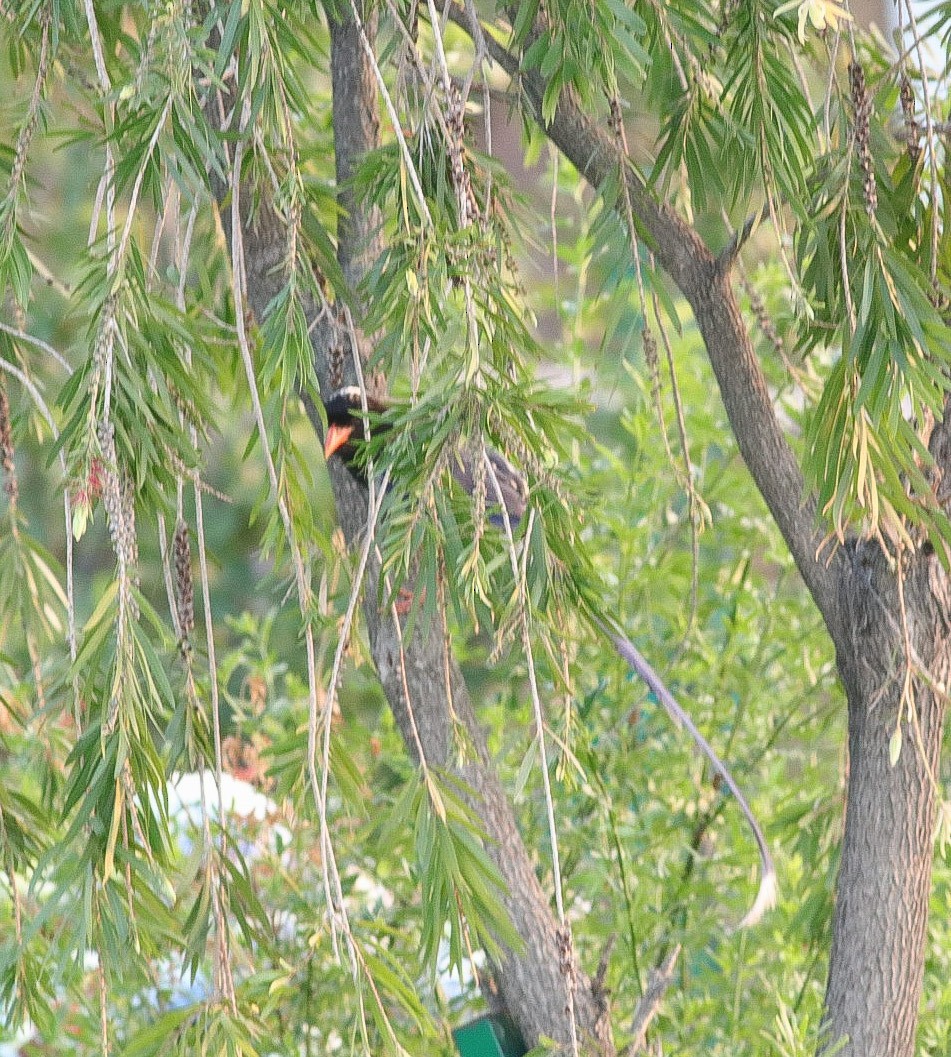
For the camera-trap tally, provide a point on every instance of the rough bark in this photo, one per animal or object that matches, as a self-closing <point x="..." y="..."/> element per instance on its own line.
<point x="532" y="984"/>
<point x="356" y="121"/>
<point x="880" y="920"/>
<point x="881" y="914"/>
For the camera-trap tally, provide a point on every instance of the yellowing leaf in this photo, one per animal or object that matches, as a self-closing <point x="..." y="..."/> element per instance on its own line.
<point x="894" y="747"/>
<point x="80" y="520"/>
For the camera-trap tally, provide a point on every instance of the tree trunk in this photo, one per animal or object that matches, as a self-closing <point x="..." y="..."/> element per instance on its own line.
<point x="532" y="980"/>
<point x="881" y="912"/>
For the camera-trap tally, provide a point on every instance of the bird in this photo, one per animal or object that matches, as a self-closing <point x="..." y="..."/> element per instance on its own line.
<point x="346" y="426"/>
<point x="347" y="429"/>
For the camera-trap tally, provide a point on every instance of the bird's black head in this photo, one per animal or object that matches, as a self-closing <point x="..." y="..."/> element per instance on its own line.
<point x="346" y="426"/>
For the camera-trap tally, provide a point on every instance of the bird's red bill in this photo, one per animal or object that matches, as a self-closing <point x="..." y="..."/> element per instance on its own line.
<point x="336" y="437"/>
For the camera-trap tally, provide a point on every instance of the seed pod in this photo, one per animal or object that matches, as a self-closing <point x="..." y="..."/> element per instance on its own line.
<point x="862" y="103"/>
<point x="184" y="585"/>
<point x="912" y="131"/>
<point x="6" y="447"/>
<point x="119" y="500"/>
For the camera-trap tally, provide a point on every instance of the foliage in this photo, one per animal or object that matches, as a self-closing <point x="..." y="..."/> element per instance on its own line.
<point x="128" y="403"/>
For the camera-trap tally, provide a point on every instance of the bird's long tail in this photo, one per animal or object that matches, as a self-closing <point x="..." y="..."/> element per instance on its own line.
<point x="766" y="897"/>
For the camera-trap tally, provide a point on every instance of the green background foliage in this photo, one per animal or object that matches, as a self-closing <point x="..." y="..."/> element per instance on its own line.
<point x="113" y="902"/>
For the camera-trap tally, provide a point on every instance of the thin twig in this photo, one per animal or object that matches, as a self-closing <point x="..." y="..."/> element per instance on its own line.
<point x="106" y="185"/>
<point x="766" y="895"/>
<point x="30" y="339"/>
<point x="649" y="1003"/>
<point x="30" y="386"/>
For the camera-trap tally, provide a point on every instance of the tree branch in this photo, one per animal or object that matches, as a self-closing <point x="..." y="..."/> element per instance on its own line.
<point x="705" y="283"/>
<point x="649" y="1004"/>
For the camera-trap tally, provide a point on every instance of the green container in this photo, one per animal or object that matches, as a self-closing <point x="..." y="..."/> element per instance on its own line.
<point x="489" y="1036"/>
